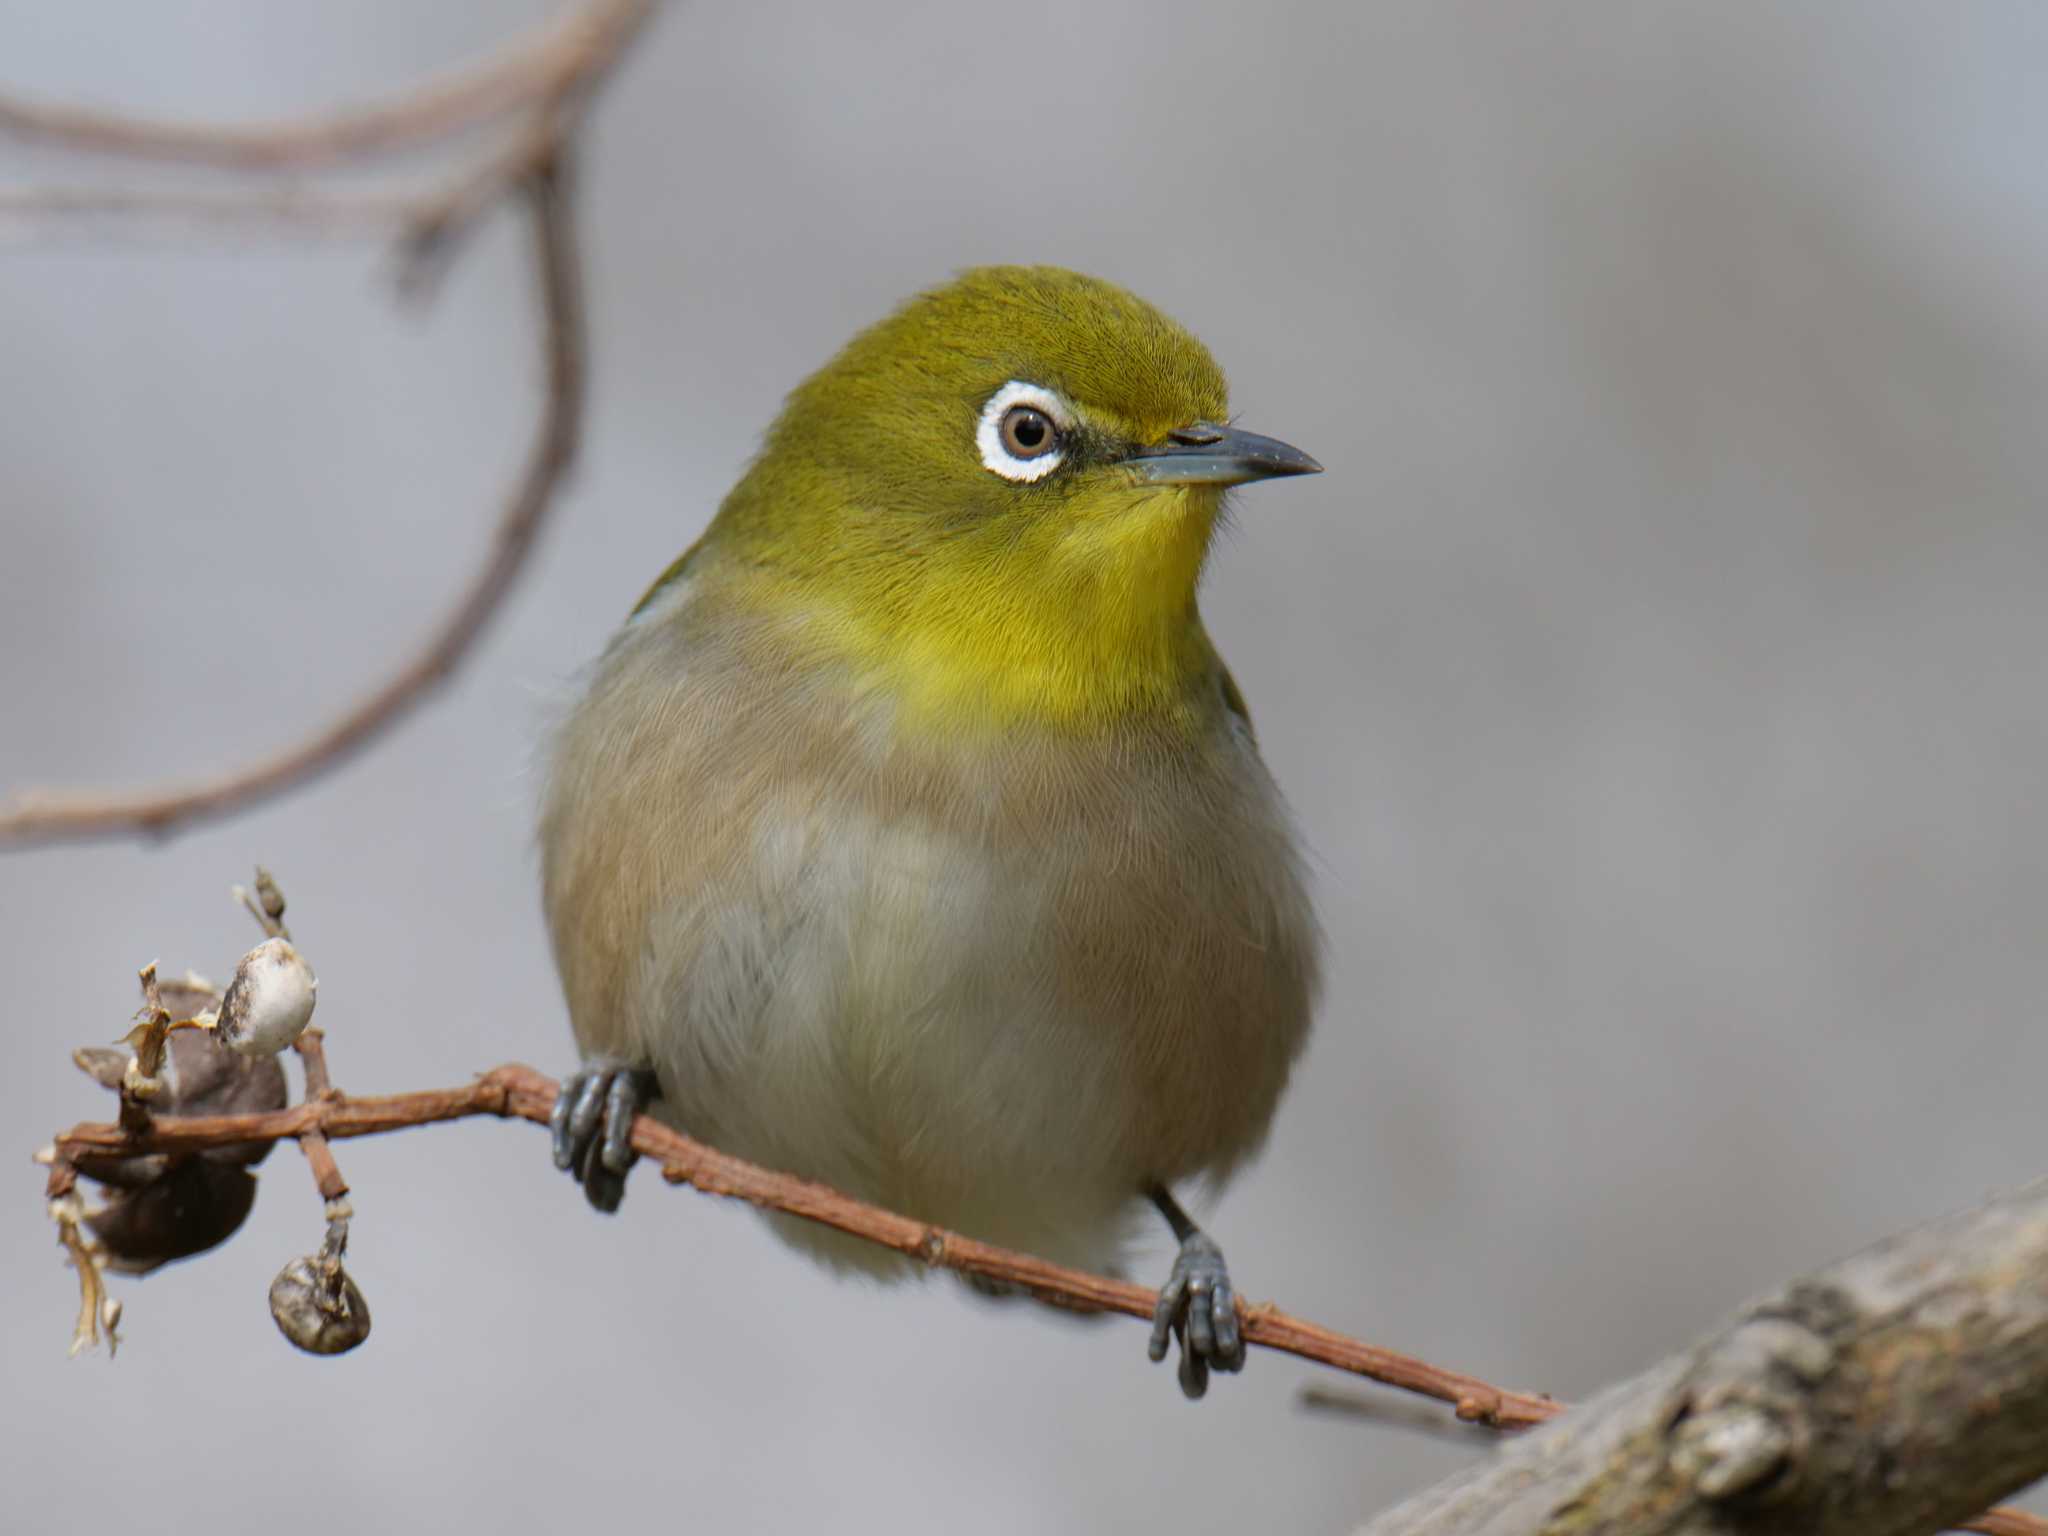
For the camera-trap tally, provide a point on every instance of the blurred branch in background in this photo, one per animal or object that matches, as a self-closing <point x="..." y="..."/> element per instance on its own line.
<point x="552" y="67"/>
<point x="543" y="84"/>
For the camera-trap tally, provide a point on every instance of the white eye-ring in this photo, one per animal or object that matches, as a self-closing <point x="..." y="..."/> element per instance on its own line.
<point x="1023" y="431"/>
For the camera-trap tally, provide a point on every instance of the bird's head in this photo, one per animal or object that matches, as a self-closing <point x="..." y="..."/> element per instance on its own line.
<point x="999" y="499"/>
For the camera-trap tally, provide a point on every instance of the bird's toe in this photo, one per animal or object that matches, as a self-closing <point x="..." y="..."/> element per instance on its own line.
<point x="1198" y="1307"/>
<point x="591" y="1126"/>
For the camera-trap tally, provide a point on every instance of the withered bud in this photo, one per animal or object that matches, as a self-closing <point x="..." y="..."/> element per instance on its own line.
<point x="317" y="1306"/>
<point x="165" y="1207"/>
<point x="270" y="1001"/>
<point x="200" y="1077"/>
<point x="103" y="1064"/>
<point x="267" y="893"/>
<point x="186" y="1208"/>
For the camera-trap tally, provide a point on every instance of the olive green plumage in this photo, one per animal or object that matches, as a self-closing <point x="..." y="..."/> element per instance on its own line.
<point x="869" y="502"/>
<point x="866" y="433"/>
<point x="911" y="831"/>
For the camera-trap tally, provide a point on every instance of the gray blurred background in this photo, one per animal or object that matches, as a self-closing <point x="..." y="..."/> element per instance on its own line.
<point x="1657" y="673"/>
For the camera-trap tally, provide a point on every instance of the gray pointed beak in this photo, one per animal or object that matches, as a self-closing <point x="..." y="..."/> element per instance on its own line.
<point x="1203" y="453"/>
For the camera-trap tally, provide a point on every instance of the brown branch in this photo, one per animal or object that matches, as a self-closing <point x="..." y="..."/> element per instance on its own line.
<point x="429" y="220"/>
<point x="313" y="1142"/>
<point x="519" y="1092"/>
<point x="38" y="816"/>
<point x="554" y="62"/>
<point x="1385" y="1412"/>
<point x="436" y="225"/>
<point x="297" y="211"/>
<point x="550" y="77"/>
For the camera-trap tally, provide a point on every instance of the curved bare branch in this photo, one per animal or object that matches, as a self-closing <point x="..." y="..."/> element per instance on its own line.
<point x="567" y="56"/>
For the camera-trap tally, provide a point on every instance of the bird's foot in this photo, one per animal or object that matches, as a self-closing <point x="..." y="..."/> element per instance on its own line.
<point x="1198" y="1307"/>
<point x="592" y="1126"/>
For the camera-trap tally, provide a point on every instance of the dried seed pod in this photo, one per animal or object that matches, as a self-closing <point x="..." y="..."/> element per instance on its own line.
<point x="200" y="1077"/>
<point x="317" y="1306"/>
<point x="167" y="1207"/>
<point x="270" y="1001"/>
<point x="183" y="996"/>
<point x="188" y="1208"/>
<point x="207" y="1080"/>
<point x="269" y="896"/>
<point x="103" y="1064"/>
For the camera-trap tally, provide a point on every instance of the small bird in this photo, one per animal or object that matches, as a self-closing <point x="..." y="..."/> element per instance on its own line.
<point x="911" y="835"/>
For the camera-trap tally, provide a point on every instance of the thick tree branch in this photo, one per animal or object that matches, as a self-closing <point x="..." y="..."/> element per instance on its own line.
<point x="548" y="80"/>
<point x="1892" y="1394"/>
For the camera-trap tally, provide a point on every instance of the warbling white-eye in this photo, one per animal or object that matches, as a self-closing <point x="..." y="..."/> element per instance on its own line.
<point x="910" y="836"/>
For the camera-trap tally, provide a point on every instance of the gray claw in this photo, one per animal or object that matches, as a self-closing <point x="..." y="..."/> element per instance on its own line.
<point x="1198" y="1307"/>
<point x="621" y="1104"/>
<point x="591" y="1126"/>
<point x="558" y="1125"/>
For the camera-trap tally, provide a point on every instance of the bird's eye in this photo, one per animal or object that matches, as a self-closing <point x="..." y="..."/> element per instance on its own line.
<point x="1028" y="432"/>
<point x="1023" y="431"/>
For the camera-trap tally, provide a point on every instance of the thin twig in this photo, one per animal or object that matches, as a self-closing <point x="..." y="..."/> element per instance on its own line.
<point x="1395" y="1413"/>
<point x="549" y="78"/>
<point x="313" y="1142"/>
<point x="95" y="1312"/>
<point x="576" y="48"/>
<point x="44" y="815"/>
<point x="435" y="228"/>
<point x="519" y="1092"/>
<point x="296" y="211"/>
<point x="429" y="219"/>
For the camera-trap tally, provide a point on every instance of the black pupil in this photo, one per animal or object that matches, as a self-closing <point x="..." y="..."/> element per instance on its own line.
<point x="1029" y="430"/>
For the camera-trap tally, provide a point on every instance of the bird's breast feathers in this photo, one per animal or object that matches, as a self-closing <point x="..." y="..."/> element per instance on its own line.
<point x="998" y="980"/>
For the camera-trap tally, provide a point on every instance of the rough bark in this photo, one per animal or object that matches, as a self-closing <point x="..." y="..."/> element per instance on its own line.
<point x="1894" y="1394"/>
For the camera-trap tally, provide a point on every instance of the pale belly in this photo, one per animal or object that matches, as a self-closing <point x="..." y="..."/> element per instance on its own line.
<point x="983" y="1002"/>
<point x="963" y="1035"/>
